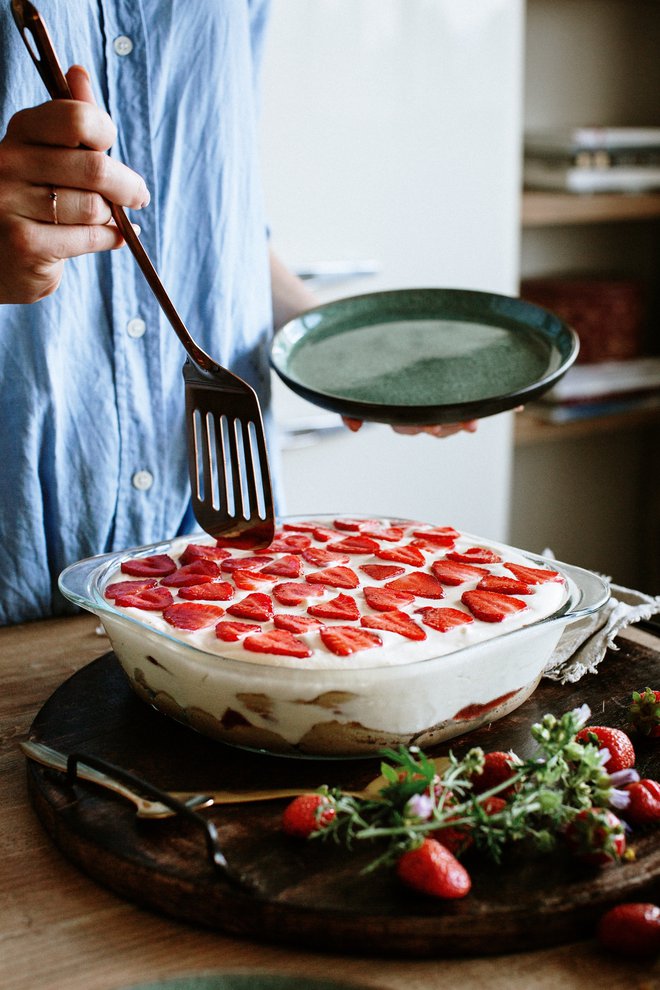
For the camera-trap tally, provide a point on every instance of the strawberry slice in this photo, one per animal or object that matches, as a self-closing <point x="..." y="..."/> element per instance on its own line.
<point x="290" y="543"/>
<point x="396" y="622"/>
<point x="149" y="600"/>
<point x="256" y="606"/>
<point x="402" y="555"/>
<point x="278" y="641"/>
<point x="212" y="591"/>
<point x="419" y="583"/>
<point x="491" y="607"/>
<point x="243" y="563"/>
<point x="381" y="572"/>
<point x="249" y="580"/>
<point x="341" y="607"/>
<point x="324" y="535"/>
<point x="300" y="527"/>
<point x="452" y="573"/>
<point x="354" y="525"/>
<point x="442" y="536"/>
<point x="197" y="551"/>
<point x="533" y="575"/>
<point x="295" y="623"/>
<point x="335" y="577"/>
<point x="287" y="566"/>
<point x="504" y="585"/>
<point x="199" y="572"/>
<point x="444" y="619"/>
<point x="319" y="556"/>
<point x="391" y="534"/>
<point x="192" y="615"/>
<point x="355" y="544"/>
<point x="475" y="555"/>
<point x="387" y="601"/>
<point x="231" y="632"/>
<point x="123" y="588"/>
<point x="293" y="593"/>
<point x="344" y="640"/>
<point x="158" y="565"/>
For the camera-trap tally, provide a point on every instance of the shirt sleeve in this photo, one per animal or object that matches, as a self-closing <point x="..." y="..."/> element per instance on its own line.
<point x="259" y="13"/>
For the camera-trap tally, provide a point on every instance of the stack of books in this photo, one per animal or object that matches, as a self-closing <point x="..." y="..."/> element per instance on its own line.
<point x="603" y="389"/>
<point x="593" y="159"/>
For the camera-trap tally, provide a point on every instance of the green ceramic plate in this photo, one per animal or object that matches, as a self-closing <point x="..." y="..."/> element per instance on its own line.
<point x="245" y="981"/>
<point x="420" y="356"/>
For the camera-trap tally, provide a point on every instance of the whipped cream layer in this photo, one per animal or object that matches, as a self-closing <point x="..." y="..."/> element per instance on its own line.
<point x="421" y="560"/>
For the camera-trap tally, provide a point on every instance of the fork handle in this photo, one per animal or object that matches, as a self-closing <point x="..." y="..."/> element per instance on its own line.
<point x="42" y="53"/>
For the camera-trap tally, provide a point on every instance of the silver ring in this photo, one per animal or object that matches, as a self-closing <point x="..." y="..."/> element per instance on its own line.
<point x="53" y="202"/>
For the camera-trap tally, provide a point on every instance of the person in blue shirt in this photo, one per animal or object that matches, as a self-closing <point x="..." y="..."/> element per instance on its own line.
<point x="93" y="450"/>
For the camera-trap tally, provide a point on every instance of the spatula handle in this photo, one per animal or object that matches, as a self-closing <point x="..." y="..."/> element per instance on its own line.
<point x="39" y="45"/>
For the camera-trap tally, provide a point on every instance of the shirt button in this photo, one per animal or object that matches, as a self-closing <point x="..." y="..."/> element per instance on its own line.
<point x="142" y="480"/>
<point x="122" y="45"/>
<point x="136" y="328"/>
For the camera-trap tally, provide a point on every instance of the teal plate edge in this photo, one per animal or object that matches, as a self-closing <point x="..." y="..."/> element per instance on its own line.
<point x="252" y="980"/>
<point x="353" y="312"/>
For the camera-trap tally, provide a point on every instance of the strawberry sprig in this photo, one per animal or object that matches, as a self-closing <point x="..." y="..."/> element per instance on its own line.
<point x="544" y="794"/>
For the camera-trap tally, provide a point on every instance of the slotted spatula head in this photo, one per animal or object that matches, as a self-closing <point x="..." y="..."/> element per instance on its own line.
<point x="231" y="492"/>
<point x="229" y="475"/>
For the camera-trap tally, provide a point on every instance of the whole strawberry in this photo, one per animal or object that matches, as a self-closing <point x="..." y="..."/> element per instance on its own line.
<point x="307" y="813"/>
<point x="631" y="930"/>
<point x="596" y="836"/>
<point x="622" y="753"/>
<point x="644" y="806"/>
<point x="498" y="768"/>
<point x="431" y="869"/>
<point x="645" y="712"/>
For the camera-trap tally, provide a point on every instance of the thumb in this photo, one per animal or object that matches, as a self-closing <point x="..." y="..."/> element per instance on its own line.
<point x="80" y="84"/>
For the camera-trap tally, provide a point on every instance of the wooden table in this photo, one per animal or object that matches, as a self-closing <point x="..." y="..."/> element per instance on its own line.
<point x="61" y="931"/>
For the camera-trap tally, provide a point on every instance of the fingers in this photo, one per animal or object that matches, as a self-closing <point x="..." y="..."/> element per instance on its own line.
<point x="80" y="84"/>
<point x="439" y="430"/>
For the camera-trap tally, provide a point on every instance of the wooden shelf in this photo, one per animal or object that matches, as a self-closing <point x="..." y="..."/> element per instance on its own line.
<point x="551" y="209"/>
<point x="531" y="430"/>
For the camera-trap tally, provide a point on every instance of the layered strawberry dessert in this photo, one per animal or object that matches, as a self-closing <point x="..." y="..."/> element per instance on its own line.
<point x="344" y="636"/>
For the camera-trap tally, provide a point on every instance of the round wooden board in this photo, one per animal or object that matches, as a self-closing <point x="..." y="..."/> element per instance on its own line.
<point x="314" y="894"/>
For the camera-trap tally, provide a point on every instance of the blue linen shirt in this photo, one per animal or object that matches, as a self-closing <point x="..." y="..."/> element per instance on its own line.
<point x="93" y="448"/>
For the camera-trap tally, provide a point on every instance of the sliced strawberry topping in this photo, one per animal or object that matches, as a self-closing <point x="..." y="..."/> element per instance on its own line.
<point x="300" y="527"/>
<point x="195" y="551"/>
<point x="335" y="577"/>
<point x="149" y="600"/>
<point x="158" y="565"/>
<point x="256" y="606"/>
<point x="381" y="572"/>
<point x="444" y="619"/>
<point x="243" y="563"/>
<point x="122" y="588"/>
<point x="354" y="525"/>
<point x="397" y="622"/>
<point x="319" y="556"/>
<point x="199" y="572"/>
<point x="533" y="575"/>
<point x="402" y="555"/>
<point x="387" y="601"/>
<point x="290" y="543"/>
<point x="295" y="623"/>
<point x="293" y="593"/>
<point x="344" y="640"/>
<point x="475" y="555"/>
<point x="452" y="573"/>
<point x="355" y="544"/>
<point x="341" y="607"/>
<point x="212" y="591"/>
<point x="419" y="583"/>
<point x="391" y="534"/>
<point x="491" y="607"/>
<point x="442" y="536"/>
<point x="278" y="641"/>
<point x="249" y="580"/>
<point x="504" y="585"/>
<point x="192" y="615"/>
<point x="287" y="566"/>
<point x="231" y="632"/>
